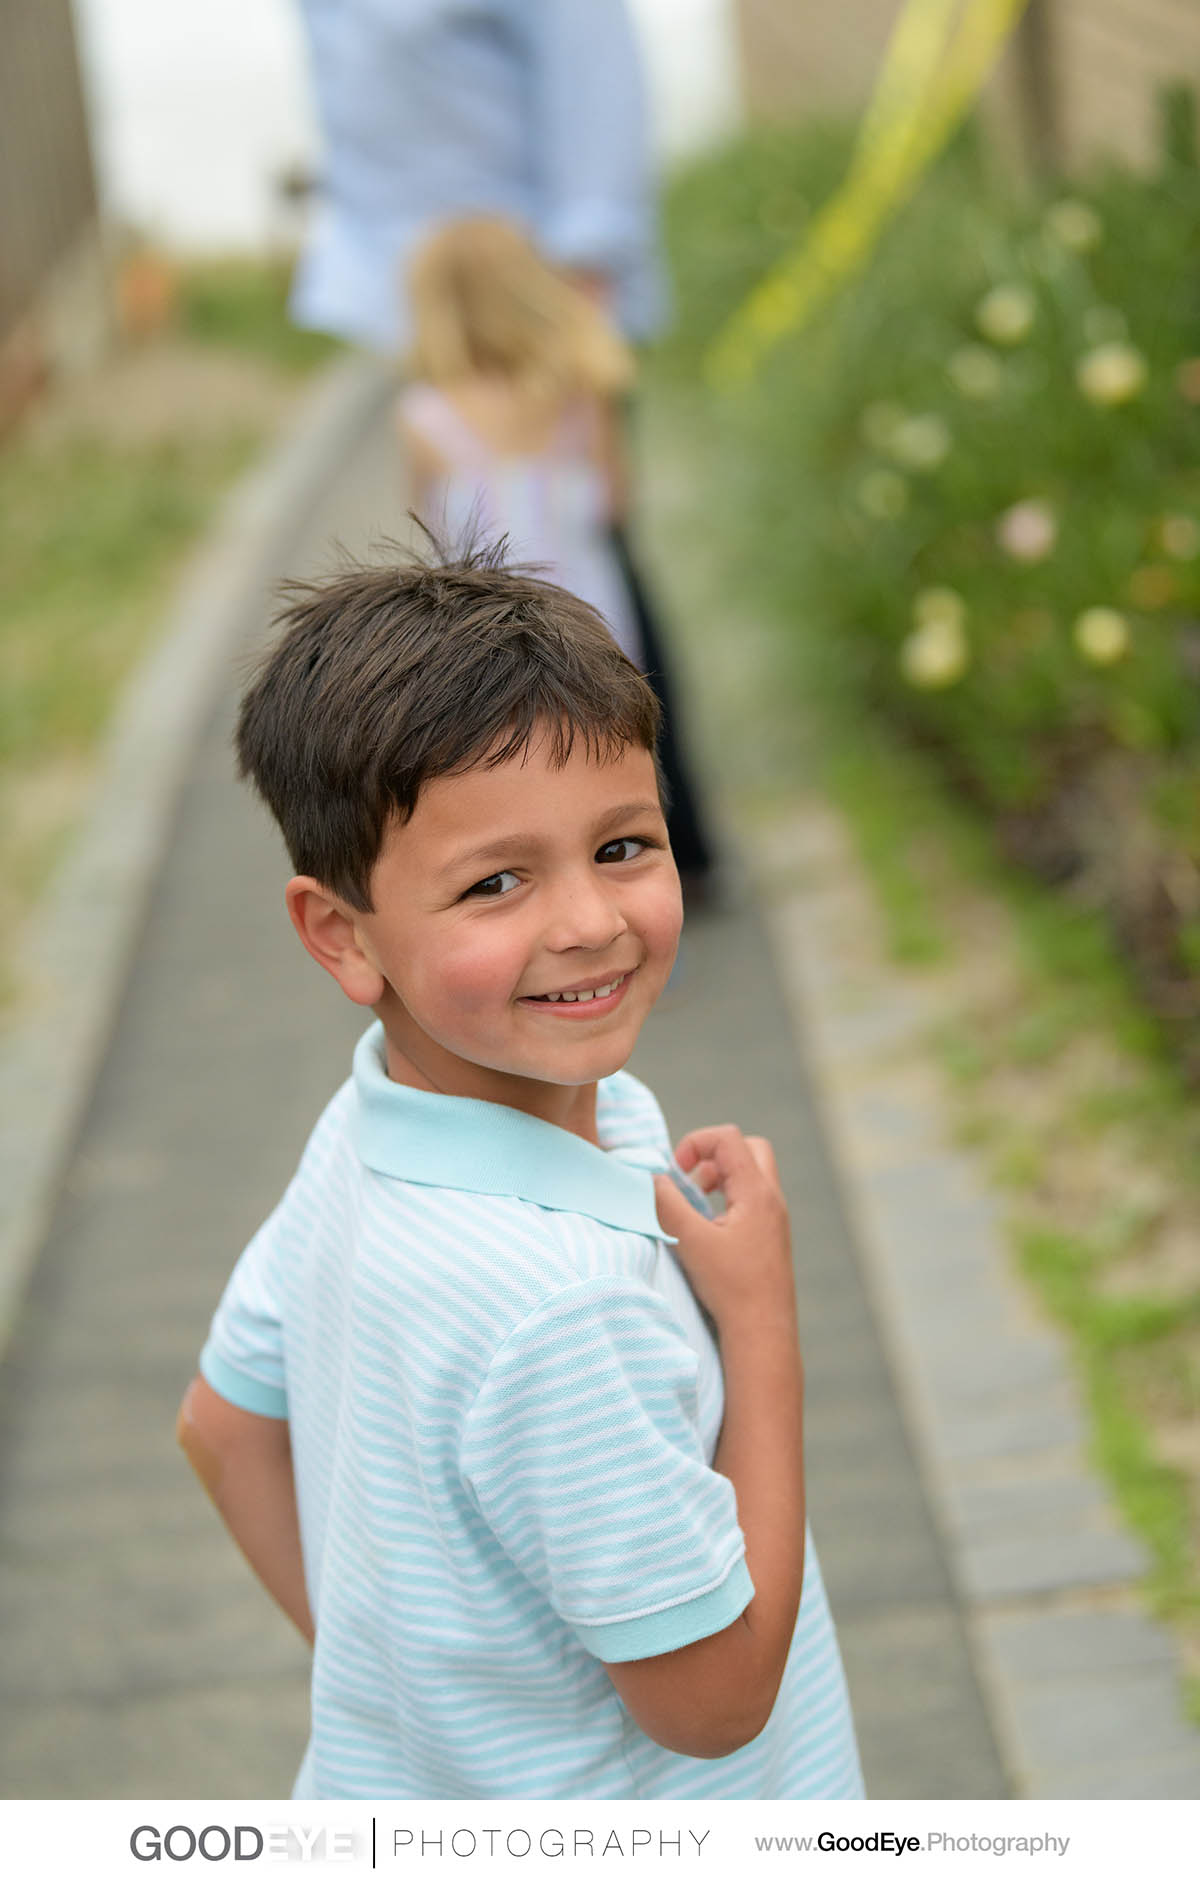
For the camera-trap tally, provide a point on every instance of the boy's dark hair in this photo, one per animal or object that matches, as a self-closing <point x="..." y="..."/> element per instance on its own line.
<point x="389" y="675"/>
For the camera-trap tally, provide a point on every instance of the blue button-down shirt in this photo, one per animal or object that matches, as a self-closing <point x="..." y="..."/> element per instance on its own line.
<point x="533" y="109"/>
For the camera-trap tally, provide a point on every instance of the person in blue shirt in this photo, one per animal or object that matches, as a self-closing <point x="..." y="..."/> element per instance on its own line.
<point x="506" y="1421"/>
<point x="529" y="109"/>
<point x="534" y="111"/>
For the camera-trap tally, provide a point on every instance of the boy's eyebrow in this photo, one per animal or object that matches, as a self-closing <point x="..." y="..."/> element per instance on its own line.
<point x="518" y="840"/>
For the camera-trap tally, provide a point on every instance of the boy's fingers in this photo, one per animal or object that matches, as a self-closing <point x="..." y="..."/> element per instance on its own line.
<point x="763" y="1154"/>
<point x="724" y="1145"/>
<point x="675" y="1214"/>
<point x="730" y="1154"/>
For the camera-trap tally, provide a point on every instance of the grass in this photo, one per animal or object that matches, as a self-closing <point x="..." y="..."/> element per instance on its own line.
<point x="1076" y="992"/>
<point x="95" y="519"/>
<point x="241" y="306"/>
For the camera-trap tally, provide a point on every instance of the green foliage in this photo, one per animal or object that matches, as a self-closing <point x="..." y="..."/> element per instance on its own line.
<point x="87" y="531"/>
<point x="838" y="516"/>
<point x="97" y="507"/>
<point x="928" y="438"/>
<point x="242" y="305"/>
<point x="730" y="216"/>
<point x="981" y="467"/>
<point x="1152" y="1496"/>
<point x="1107" y="1331"/>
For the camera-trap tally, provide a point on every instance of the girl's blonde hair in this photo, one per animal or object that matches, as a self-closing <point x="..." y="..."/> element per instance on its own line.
<point x="485" y="301"/>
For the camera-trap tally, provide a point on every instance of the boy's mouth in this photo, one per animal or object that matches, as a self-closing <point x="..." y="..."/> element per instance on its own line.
<point x="584" y="997"/>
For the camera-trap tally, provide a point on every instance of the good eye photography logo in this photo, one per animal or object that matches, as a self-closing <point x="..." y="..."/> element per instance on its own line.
<point x="242" y="1843"/>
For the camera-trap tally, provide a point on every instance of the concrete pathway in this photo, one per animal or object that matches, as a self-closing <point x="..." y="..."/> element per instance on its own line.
<point x="140" y="1659"/>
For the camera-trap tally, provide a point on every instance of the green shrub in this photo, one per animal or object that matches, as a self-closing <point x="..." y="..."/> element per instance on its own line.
<point x="242" y="305"/>
<point x="977" y="477"/>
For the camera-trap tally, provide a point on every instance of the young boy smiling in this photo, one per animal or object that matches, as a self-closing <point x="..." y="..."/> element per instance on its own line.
<point x="461" y="1405"/>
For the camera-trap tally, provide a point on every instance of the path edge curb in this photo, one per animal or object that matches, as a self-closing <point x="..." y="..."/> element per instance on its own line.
<point x="1042" y="1716"/>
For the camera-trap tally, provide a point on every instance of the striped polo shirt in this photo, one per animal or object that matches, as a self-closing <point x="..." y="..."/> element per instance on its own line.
<point x="504" y="1403"/>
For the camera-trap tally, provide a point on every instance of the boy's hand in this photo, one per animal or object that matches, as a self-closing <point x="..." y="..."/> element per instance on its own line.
<point x="715" y="1695"/>
<point x="740" y="1263"/>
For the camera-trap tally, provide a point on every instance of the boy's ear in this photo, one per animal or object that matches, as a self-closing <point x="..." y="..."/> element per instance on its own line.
<point x="331" y="935"/>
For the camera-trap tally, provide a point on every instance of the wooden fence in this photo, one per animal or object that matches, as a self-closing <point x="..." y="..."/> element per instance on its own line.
<point x="50" y="281"/>
<point x="1082" y="75"/>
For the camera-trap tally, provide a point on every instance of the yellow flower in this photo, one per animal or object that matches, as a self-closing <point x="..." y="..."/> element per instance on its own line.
<point x="921" y="442"/>
<point x="1180" y="538"/>
<point x="939" y="605"/>
<point x="884" y="494"/>
<point x="1112" y="374"/>
<point x="1101" y="635"/>
<point x="935" y="654"/>
<point x="1076" y="225"/>
<point x="1005" y="314"/>
<point x="977" y="372"/>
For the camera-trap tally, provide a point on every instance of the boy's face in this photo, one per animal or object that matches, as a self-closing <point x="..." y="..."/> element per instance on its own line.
<point x="509" y="889"/>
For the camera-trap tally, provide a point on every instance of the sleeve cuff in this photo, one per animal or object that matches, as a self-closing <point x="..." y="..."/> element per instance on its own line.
<point x="672" y="1628"/>
<point x="253" y="1396"/>
<point x="593" y="233"/>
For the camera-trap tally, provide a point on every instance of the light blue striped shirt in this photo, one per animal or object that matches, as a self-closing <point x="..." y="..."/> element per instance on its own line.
<point x="504" y="1403"/>
<point x="530" y="109"/>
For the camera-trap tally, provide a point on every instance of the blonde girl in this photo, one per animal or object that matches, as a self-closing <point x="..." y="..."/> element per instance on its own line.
<point x="510" y="422"/>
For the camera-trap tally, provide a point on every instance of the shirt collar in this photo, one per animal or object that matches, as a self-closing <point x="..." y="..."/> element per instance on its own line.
<point x="472" y="1145"/>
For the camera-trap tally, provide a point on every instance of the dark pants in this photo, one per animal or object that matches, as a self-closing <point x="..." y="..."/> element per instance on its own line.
<point x="693" y="853"/>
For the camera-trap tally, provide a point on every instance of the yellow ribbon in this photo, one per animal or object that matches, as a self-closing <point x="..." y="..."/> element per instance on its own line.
<point x="913" y="112"/>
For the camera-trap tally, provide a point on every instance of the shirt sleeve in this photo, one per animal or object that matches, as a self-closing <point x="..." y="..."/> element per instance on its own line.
<point x="583" y="1454"/>
<point x="589" y="120"/>
<point x="242" y="1359"/>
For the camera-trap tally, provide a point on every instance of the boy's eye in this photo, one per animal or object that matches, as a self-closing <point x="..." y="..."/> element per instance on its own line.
<point x="498" y="885"/>
<point x="621" y="850"/>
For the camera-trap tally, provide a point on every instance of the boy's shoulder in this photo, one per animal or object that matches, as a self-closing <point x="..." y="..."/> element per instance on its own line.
<point x="629" y="1117"/>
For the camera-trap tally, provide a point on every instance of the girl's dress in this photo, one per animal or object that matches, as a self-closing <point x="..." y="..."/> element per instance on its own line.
<point x="552" y="505"/>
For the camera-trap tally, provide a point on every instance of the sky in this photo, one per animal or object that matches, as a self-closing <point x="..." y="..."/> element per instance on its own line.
<point x="197" y="106"/>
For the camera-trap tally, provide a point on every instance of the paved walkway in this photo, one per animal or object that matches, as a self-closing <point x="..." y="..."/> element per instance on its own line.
<point x="140" y="1659"/>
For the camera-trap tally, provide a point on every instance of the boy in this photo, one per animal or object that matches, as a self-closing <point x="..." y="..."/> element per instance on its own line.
<point x="460" y="1406"/>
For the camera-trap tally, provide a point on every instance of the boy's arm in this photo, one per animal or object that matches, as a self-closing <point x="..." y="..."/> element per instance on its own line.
<point x="244" y="1462"/>
<point x="713" y="1696"/>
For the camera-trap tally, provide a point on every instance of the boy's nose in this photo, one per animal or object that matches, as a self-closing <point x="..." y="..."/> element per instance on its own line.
<point x="587" y="915"/>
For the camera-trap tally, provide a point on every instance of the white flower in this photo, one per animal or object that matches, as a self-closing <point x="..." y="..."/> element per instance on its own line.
<point x="880" y="422"/>
<point x="935" y="654"/>
<point x="1180" y="538"/>
<point x="1112" y="374"/>
<point x="921" y="442"/>
<point x="1005" y="314"/>
<point x="884" y="494"/>
<point x="1076" y="225"/>
<point x="977" y="372"/>
<point x="1028" y="531"/>
<point x="939" y="605"/>
<point x="1101" y="635"/>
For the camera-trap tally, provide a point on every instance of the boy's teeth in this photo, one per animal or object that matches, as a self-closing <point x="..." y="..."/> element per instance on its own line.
<point x="592" y="994"/>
